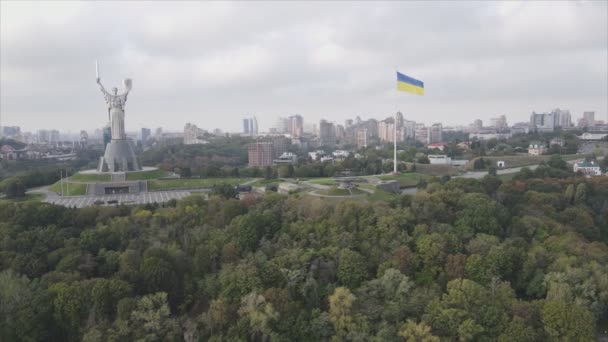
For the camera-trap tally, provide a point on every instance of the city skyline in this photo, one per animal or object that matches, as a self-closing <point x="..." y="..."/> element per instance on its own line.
<point x="194" y="65"/>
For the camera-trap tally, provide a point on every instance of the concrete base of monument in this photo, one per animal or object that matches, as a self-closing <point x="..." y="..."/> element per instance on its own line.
<point x="119" y="157"/>
<point x="97" y="172"/>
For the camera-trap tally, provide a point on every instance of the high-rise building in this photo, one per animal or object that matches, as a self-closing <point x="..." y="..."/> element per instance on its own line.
<point x="435" y="133"/>
<point x="296" y="126"/>
<point x="246" y="126"/>
<point x="280" y="145"/>
<point x="409" y="129"/>
<point x="499" y="123"/>
<point x="193" y="134"/>
<point x="542" y="122"/>
<point x="562" y="118"/>
<point x="340" y="133"/>
<point x="362" y="137"/>
<point x="145" y="134"/>
<point x="589" y="118"/>
<point x="260" y="154"/>
<point x="422" y="133"/>
<point x="477" y="125"/>
<point x="250" y="126"/>
<point x="282" y="125"/>
<point x="84" y="138"/>
<point x="327" y="134"/>
<point x="386" y="130"/>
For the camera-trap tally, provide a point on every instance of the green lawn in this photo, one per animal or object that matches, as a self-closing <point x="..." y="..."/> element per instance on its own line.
<point x="341" y="192"/>
<point x="382" y="195"/>
<point x="146" y="175"/>
<point x="322" y="181"/>
<point x="90" y="177"/>
<point x="74" y="189"/>
<point x="35" y="197"/>
<point x="164" y="184"/>
<point x="406" y="180"/>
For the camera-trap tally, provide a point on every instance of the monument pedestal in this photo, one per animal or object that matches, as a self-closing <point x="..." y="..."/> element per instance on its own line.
<point x="119" y="157"/>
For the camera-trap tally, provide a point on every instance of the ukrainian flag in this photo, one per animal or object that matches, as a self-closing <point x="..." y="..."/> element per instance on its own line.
<point x="412" y="85"/>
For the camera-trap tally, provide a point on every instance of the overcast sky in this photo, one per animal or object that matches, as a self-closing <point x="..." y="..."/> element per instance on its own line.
<point x="214" y="63"/>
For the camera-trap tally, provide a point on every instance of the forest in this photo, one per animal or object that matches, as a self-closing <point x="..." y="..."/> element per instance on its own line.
<point x="461" y="260"/>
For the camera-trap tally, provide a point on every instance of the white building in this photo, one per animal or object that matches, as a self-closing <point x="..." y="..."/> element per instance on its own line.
<point x="588" y="168"/>
<point x="536" y="148"/>
<point x="440" y="159"/>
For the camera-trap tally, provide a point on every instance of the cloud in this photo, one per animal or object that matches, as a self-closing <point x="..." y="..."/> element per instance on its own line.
<point x="212" y="63"/>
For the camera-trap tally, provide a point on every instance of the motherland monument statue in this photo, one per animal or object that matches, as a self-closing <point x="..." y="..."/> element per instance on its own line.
<point x="119" y="155"/>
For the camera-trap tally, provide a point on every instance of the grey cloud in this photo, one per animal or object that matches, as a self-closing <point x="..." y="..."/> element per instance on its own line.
<point x="212" y="63"/>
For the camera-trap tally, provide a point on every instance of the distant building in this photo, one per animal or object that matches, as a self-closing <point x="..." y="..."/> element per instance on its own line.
<point x="327" y="134"/>
<point x="316" y="155"/>
<point x="435" y="133"/>
<point x="547" y="122"/>
<point x="193" y="134"/>
<point x="477" y="125"/>
<point x="10" y="131"/>
<point x="260" y="154"/>
<point x="362" y="137"/>
<point x="440" y="146"/>
<point x="282" y="125"/>
<point x="84" y="139"/>
<point x="286" y="158"/>
<point x="422" y="133"/>
<point x="145" y="135"/>
<point x="296" y="126"/>
<point x="536" y="148"/>
<point x="341" y="154"/>
<point x="588" y="168"/>
<point x="499" y="123"/>
<point x="250" y="126"/>
<point x="557" y="141"/>
<point x="440" y="159"/>
<point x="592" y="136"/>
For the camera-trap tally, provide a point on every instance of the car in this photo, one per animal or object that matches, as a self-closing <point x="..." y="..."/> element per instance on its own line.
<point x="98" y="202"/>
<point x="112" y="202"/>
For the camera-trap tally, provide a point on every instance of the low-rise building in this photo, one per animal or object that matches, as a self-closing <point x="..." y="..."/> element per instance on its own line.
<point x="536" y="148"/>
<point x="286" y="158"/>
<point x="440" y="159"/>
<point x="588" y="168"/>
<point x="438" y="145"/>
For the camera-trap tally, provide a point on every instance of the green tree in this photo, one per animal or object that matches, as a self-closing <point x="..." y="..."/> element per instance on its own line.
<point x="580" y="197"/>
<point x="259" y="314"/>
<point x="14" y="188"/>
<point x="417" y="332"/>
<point x="341" y="311"/>
<point x="352" y="269"/>
<point x="567" y="321"/>
<point x="224" y="190"/>
<point x="492" y="171"/>
<point x="151" y="320"/>
<point x="569" y="194"/>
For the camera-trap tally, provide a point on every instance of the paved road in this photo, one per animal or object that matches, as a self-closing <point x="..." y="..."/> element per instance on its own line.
<point x="140" y="198"/>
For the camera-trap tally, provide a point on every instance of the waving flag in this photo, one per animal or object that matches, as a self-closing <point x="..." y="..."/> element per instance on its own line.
<point x="411" y="85"/>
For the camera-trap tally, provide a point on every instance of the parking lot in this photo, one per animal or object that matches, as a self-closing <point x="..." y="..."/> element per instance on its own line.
<point x="115" y="199"/>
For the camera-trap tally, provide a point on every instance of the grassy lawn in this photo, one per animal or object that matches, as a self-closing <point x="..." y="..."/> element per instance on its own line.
<point x="75" y="189"/>
<point x="434" y="169"/>
<point x="341" y="192"/>
<point x="90" y="177"/>
<point x="322" y="181"/>
<point x="264" y="182"/>
<point x="406" y="180"/>
<point x="164" y="184"/>
<point x="520" y="161"/>
<point x="35" y="197"/>
<point x="146" y="175"/>
<point x="381" y="195"/>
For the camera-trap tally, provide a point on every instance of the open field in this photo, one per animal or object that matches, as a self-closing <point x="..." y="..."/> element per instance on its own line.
<point x="406" y="180"/>
<point x="519" y="161"/>
<point x="191" y="183"/>
<point x="35" y="197"/>
<point x="89" y="177"/>
<point x="434" y="169"/>
<point x="146" y="175"/>
<point x="322" y="181"/>
<point x="341" y="192"/>
<point x="381" y="195"/>
<point x="69" y="189"/>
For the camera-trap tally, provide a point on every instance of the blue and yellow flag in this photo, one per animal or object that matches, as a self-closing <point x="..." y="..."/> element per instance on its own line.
<point x="412" y="85"/>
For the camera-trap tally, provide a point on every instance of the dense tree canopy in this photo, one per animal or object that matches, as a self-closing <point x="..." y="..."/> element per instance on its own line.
<point x="462" y="260"/>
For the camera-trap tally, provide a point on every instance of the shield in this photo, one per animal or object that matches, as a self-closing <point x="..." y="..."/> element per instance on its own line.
<point x="127" y="83"/>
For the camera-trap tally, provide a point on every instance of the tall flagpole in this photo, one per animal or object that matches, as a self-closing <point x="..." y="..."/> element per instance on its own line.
<point x="395" y="138"/>
<point x="395" y="146"/>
